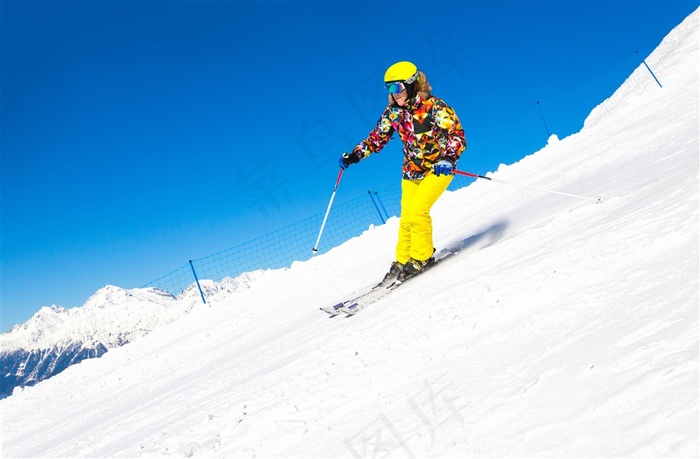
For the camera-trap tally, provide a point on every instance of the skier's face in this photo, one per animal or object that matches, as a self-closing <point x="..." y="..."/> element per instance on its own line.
<point x="401" y="97"/>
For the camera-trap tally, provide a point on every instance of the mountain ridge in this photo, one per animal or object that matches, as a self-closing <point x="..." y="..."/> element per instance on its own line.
<point x="55" y="338"/>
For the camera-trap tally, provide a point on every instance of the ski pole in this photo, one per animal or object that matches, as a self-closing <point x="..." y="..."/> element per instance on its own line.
<point x="469" y="174"/>
<point x="323" y="225"/>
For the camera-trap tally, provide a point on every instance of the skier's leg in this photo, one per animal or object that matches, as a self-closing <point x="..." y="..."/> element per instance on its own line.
<point x="403" y="246"/>
<point x="418" y="215"/>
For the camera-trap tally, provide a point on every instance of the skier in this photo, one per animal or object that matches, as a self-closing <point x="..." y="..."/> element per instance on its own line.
<point x="433" y="140"/>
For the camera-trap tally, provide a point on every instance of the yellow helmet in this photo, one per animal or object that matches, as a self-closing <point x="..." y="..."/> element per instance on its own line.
<point x="401" y="71"/>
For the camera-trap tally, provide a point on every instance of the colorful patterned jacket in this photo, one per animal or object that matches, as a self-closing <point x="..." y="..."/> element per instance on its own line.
<point x="429" y="129"/>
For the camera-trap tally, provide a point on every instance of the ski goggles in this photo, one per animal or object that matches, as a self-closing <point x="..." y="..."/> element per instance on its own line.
<point x="396" y="87"/>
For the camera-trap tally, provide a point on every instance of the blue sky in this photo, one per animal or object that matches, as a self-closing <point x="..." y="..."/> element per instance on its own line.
<point x="136" y="136"/>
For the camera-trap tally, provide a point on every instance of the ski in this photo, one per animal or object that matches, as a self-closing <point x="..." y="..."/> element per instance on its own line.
<point x="344" y="306"/>
<point x="373" y="294"/>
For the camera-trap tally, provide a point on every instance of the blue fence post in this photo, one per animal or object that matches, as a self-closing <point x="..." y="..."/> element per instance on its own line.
<point x="381" y="204"/>
<point x="376" y="208"/>
<point x="196" y="279"/>
<point x="644" y="61"/>
<point x="543" y="120"/>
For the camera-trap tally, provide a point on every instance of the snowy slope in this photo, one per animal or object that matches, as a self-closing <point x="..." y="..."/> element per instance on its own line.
<point x="56" y="338"/>
<point x="563" y="327"/>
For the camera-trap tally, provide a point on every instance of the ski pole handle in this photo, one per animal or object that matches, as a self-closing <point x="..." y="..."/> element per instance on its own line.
<point x="337" y="181"/>
<point x="328" y="210"/>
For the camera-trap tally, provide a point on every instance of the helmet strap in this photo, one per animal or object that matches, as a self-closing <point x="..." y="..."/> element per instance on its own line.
<point x="411" y="90"/>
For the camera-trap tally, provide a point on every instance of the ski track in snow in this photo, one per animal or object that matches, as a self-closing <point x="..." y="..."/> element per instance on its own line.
<point x="561" y="328"/>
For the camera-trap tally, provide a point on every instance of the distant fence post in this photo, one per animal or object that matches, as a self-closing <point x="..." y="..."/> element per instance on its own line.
<point x="381" y="204"/>
<point x="376" y="208"/>
<point x="652" y="73"/>
<point x="196" y="279"/>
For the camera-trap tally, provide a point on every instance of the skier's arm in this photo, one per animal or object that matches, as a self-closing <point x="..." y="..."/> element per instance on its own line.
<point x="447" y="120"/>
<point x="377" y="138"/>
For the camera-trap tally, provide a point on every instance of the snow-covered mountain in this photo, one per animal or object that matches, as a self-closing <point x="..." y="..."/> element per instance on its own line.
<point x="55" y="337"/>
<point x="562" y="328"/>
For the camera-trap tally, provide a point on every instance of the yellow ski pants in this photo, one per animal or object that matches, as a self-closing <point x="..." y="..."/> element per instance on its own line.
<point x="416" y="226"/>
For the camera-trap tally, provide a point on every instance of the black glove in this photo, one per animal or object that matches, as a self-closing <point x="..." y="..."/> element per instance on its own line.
<point x="348" y="158"/>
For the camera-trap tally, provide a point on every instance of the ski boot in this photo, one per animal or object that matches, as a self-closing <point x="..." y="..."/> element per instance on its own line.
<point x="395" y="269"/>
<point x="414" y="267"/>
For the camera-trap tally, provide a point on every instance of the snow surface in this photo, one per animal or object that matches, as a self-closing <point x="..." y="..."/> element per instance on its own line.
<point x="563" y="328"/>
<point x="113" y="315"/>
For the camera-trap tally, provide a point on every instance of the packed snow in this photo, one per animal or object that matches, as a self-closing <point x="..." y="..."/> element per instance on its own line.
<point x="562" y="328"/>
